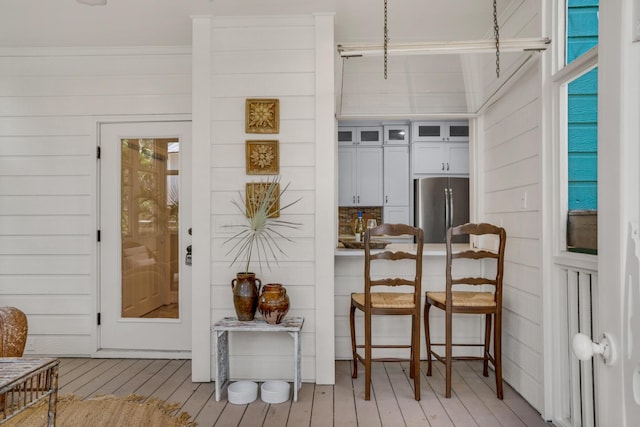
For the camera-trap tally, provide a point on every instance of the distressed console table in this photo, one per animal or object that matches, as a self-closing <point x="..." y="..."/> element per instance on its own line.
<point x="24" y="382"/>
<point x="221" y="329"/>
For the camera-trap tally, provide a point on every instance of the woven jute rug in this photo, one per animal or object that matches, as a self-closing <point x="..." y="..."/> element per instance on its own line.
<point x="105" y="411"/>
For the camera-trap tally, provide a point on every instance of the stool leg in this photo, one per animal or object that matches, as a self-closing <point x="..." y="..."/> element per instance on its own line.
<point x="415" y="356"/>
<point x="53" y="397"/>
<point x="367" y="356"/>
<point x="222" y="362"/>
<point x="427" y="306"/>
<point x="352" y="323"/>
<point x="487" y="341"/>
<point x="497" y="355"/>
<point x="448" y="353"/>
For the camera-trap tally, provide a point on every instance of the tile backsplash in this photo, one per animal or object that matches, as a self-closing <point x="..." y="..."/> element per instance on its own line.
<point x="346" y="213"/>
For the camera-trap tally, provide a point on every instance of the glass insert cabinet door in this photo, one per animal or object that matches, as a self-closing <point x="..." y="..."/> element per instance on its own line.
<point x="149" y="227"/>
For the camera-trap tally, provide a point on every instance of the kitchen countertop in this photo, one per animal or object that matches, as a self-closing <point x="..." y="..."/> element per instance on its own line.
<point x="429" y="249"/>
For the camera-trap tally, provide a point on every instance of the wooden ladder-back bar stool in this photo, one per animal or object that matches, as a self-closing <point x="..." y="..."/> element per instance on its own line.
<point x="379" y="298"/>
<point x="486" y="302"/>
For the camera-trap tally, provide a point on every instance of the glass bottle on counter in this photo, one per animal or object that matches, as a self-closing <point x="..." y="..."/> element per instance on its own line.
<point x="359" y="228"/>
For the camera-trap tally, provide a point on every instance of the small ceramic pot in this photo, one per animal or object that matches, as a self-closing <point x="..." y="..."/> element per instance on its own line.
<point x="246" y="288"/>
<point x="273" y="303"/>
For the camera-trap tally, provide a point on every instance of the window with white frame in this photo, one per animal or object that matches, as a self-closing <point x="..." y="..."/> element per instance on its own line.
<point x="581" y="124"/>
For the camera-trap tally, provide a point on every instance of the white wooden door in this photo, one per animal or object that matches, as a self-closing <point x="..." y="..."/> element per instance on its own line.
<point x="618" y="384"/>
<point x="145" y="286"/>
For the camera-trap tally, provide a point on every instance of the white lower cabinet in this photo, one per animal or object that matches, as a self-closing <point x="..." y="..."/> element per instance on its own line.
<point x="360" y="176"/>
<point x="395" y="214"/>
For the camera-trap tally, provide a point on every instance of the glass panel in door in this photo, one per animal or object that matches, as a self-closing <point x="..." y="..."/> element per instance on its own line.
<point x="149" y="227"/>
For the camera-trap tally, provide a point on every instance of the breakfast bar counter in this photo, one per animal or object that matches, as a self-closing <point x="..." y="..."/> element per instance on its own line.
<point x="429" y="249"/>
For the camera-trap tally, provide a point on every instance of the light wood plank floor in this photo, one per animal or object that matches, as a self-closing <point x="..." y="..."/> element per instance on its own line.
<point x="473" y="402"/>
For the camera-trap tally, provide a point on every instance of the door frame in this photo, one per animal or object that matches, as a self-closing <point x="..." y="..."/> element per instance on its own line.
<point x="93" y="126"/>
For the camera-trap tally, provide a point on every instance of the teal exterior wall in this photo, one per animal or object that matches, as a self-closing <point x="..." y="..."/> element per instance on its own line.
<point x="582" y="35"/>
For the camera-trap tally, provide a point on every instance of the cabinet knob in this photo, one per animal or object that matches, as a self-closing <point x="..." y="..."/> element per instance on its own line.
<point x="354" y="199"/>
<point x="386" y="199"/>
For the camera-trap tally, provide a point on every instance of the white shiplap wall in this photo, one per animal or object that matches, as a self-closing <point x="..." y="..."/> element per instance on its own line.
<point x="510" y="135"/>
<point x="49" y="103"/>
<point x="265" y="58"/>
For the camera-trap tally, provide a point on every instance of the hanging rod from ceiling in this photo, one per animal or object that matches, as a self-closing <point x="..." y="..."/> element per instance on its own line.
<point x="444" y="48"/>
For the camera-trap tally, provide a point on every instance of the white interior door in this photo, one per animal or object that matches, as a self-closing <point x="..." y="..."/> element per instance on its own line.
<point x="145" y="219"/>
<point x="618" y="383"/>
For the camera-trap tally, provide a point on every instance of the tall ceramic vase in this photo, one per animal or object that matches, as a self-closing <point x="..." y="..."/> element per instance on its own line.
<point x="245" y="295"/>
<point x="274" y="303"/>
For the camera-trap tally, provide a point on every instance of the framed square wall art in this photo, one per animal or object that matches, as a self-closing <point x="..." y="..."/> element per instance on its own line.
<point x="256" y="192"/>
<point x="262" y="116"/>
<point x="262" y="157"/>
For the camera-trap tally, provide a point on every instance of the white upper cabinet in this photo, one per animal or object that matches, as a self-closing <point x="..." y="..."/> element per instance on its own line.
<point x="440" y="132"/>
<point x="442" y="158"/>
<point x="440" y="148"/>
<point x="396" y="134"/>
<point x="457" y="158"/>
<point x="360" y="135"/>
<point x="360" y="176"/>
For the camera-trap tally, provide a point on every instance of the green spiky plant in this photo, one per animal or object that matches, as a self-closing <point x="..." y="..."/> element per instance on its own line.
<point x="263" y="227"/>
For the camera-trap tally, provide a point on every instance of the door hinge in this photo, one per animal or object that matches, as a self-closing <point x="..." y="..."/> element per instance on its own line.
<point x="98" y="235"/>
<point x="98" y="152"/>
<point x="98" y="319"/>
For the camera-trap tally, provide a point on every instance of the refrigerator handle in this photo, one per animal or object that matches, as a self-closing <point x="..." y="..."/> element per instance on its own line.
<point x="451" y="207"/>
<point x="446" y="210"/>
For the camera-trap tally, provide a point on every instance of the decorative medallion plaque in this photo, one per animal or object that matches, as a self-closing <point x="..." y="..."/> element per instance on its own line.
<point x="262" y="157"/>
<point x="255" y="194"/>
<point x="262" y="116"/>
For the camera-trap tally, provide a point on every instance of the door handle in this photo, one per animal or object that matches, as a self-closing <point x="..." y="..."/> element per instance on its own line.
<point x="584" y="348"/>
<point x="188" y="259"/>
<point x="450" y="206"/>
<point x="442" y="166"/>
<point x="446" y="210"/>
<point x="447" y="166"/>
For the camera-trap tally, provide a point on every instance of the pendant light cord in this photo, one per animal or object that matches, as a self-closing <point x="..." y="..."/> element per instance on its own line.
<point x="496" y="34"/>
<point x="386" y="39"/>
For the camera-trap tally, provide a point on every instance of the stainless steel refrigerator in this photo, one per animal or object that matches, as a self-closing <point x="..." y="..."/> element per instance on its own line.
<point x="440" y="203"/>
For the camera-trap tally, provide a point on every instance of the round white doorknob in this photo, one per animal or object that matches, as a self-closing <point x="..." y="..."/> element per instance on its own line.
<point x="584" y="348"/>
